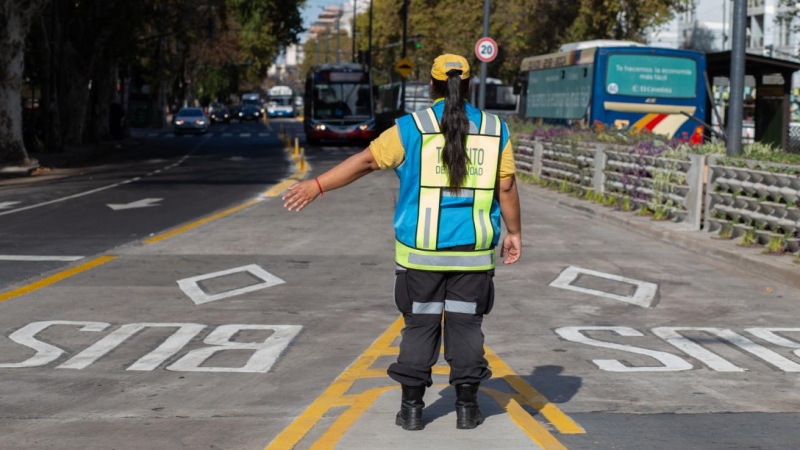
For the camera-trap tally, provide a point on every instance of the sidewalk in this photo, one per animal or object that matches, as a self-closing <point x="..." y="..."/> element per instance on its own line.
<point x="774" y="267"/>
<point x="49" y="163"/>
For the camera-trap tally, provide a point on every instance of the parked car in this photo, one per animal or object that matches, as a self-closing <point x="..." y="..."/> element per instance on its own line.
<point x="249" y="112"/>
<point x="221" y="115"/>
<point x="191" y="120"/>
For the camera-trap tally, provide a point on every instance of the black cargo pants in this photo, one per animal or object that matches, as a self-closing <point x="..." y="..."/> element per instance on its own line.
<point x="422" y="297"/>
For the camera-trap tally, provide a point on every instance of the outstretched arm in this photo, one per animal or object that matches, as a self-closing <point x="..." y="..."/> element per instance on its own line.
<point x="346" y="172"/>
<point x="509" y="209"/>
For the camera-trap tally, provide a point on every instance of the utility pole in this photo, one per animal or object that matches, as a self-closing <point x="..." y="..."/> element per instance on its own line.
<point x="405" y="37"/>
<point x="338" y="39"/>
<point x="369" y="43"/>
<point x="482" y="87"/>
<point x="354" y="31"/>
<point x="736" y="96"/>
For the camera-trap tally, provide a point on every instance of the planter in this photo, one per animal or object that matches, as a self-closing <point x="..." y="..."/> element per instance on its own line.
<point x="793" y="245"/>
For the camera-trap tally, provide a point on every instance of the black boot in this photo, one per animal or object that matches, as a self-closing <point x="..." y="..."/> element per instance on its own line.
<point x="468" y="415"/>
<point x="410" y="415"/>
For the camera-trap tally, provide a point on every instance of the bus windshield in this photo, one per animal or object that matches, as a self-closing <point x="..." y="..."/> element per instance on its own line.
<point x="342" y="100"/>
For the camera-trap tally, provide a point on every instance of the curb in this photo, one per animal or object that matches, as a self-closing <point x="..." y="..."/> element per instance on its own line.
<point x="776" y="268"/>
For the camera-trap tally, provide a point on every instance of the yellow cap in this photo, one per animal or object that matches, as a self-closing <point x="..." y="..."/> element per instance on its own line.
<point x="447" y="62"/>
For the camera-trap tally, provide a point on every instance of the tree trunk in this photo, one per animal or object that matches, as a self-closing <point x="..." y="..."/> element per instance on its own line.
<point x="12" y="58"/>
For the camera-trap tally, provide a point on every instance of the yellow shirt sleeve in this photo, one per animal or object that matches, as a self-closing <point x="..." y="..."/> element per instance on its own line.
<point x="508" y="166"/>
<point x="387" y="149"/>
<point x="388" y="152"/>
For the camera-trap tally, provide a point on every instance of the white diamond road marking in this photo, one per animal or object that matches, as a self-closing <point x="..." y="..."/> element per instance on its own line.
<point x="191" y="287"/>
<point x="644" y="296"/>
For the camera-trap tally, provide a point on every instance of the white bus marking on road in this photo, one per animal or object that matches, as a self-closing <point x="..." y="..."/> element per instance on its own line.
<point x="671" y="363"/>
<point x="644" y="295"/>
<point x="191" y="287"/>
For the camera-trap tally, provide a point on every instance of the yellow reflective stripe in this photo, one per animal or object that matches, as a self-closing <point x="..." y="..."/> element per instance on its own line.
<point x="428" y="218"/>
<point x="473" y="261"/>
<point x="483" y="123"/>
<point x="481" y="217"/>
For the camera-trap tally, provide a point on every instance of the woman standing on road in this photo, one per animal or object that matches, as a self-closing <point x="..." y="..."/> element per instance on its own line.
<point x="456" y="170"/>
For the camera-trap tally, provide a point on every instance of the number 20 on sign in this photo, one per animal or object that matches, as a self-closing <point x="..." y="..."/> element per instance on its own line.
<point x="486" y="49"/>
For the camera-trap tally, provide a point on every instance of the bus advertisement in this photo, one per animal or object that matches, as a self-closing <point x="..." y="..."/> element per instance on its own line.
<point x="338" y="104"/>
<point x="627" y="87"/>
<point x="280" y="102"/>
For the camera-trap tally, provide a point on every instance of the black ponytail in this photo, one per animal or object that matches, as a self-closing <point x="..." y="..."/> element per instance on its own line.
<point x="455" y="126"/>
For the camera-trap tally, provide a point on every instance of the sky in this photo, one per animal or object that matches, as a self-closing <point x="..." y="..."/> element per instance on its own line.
<point x="313" y="9"/>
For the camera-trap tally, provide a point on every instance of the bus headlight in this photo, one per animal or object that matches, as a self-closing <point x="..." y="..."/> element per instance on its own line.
<point x="366" y="126"/>
<point x="319" y="127"/>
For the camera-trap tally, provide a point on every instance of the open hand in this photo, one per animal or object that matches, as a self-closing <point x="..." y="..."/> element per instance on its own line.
<point x="512" y="248"/>
<point x="299" y="195"/>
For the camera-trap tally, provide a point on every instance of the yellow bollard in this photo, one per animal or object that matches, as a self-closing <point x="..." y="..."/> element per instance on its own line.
<point x="302" y="159"/>
<point x="296" y="145"/>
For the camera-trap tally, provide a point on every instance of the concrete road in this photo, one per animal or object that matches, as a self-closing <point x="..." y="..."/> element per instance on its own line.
<point x="163" y="181"/>
<point x="269" y="329"/>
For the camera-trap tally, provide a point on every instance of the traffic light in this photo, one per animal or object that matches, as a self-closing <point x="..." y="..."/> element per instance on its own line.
<point x="418" y="41"/>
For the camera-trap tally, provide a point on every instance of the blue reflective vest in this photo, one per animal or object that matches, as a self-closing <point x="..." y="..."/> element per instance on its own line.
<point x="429" y="219"/>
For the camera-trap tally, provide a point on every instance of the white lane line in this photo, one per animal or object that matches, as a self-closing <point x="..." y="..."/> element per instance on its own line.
<point x="227" y="134"/>
<point x="39" y="258"/>
<point x="244" y="135"/>
<point x="263" y="134"/>
<point x="100" y="189"/>
<point x="6" y="205"/>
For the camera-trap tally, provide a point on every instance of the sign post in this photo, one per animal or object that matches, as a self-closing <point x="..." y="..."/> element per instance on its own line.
<point x="486" y="51"/>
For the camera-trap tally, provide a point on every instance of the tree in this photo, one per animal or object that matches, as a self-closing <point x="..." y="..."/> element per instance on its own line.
<point x="622" y="19"/>
<point x="16" y="17"/>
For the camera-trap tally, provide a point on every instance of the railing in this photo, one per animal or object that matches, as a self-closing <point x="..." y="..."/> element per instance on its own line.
<point x="670" y="188"/>
<point x="758" y="202"/>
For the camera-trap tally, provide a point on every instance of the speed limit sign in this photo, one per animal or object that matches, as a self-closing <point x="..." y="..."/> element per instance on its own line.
<point x="486" y="49"/>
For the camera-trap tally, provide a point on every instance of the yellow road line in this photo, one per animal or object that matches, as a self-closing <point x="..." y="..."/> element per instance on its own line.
<point x="535" y="431"/>
<point x="357" y="404"/>
<point x="203" y="221"/>
<point x="303" y="424"/>
<point x="534" y="398"/>
<point x="55" y="278"/>
<point x="301" y="169"/>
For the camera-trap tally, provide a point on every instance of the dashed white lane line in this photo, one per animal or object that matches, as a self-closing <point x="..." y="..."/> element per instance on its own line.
<point x="104" y="188"/>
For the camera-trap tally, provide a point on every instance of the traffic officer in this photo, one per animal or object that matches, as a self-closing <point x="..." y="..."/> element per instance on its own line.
<point x="456" y="170"/>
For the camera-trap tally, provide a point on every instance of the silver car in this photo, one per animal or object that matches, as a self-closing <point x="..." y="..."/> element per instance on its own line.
<point x="190" y="120"/>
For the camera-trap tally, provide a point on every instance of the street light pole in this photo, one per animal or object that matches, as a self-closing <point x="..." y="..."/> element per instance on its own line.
<point x="354" y="31"/>
<point x="736" y="96"/>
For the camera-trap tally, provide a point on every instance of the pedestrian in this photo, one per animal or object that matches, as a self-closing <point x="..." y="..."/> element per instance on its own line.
<point x="456" y="170"/>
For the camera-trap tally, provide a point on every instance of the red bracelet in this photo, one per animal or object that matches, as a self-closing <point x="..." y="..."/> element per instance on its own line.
<point x="320" y="187"/>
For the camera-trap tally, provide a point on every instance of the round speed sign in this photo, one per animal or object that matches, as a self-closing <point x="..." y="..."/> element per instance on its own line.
<point x="486" y="49"/>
